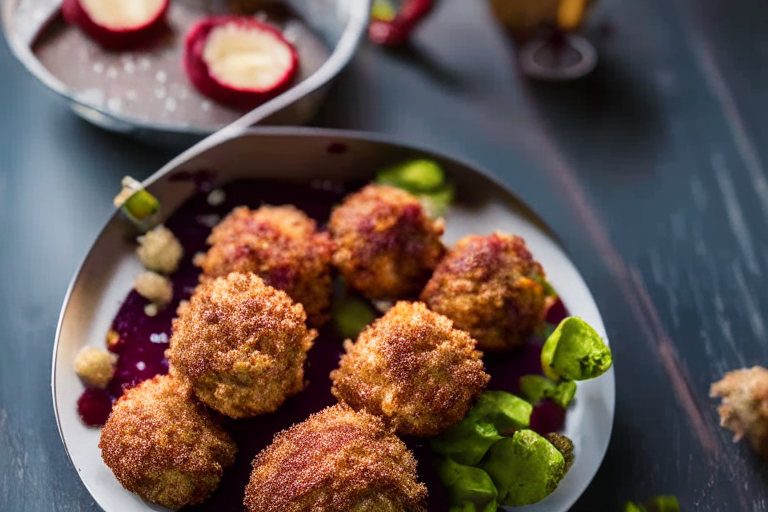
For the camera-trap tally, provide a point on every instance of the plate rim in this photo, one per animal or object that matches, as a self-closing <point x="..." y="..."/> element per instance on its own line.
<point x="349" y="134"/>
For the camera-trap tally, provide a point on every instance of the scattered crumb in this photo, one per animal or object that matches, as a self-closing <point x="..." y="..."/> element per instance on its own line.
<point x="150" y="309"/>
<point x="744" y="410"/>
<point x="216" y="197"/>
<point x="113" y="338"/>
<point x="383" y="305"/>
<point x="154" y="287"/>
<point x="95" y="366"/>
<point x="198" y="259"/>
<point x="160" y="250"/>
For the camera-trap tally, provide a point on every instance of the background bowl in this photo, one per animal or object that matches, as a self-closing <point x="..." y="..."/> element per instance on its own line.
<point x="302" y="155"/>
<point x="145" y="93"/>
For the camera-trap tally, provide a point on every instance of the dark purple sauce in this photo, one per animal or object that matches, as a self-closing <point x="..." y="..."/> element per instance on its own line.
<point x="143" y="340"/>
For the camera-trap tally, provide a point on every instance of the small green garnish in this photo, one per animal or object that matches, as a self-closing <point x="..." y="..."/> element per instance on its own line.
<point x="494" y="414"/>
<point x="536" y="388"/>
<point x="469" y="489"/>
<point x="351" y="316"/>
<point x="141" y="205"/>
<point x="574" y="351"/>
<point x="383" y="10"/>
<point x="547" y="287"/>
<point x="633" y="507"/>
<point x="414" y="176"/>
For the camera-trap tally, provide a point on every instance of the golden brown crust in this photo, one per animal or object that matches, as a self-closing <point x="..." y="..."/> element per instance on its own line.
<point x="386" y="246"/>
<point x="745" y="405"/>
<point x="241" y="344"/>
<point x="491" y="287"/>
<point x="281" y="245"/>
<point x="412" y="368"/>
<point x="164" y="446"/>
<point x="337" y="460"/>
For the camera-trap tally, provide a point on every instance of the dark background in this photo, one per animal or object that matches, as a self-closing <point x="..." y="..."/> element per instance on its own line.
<point x="652" y="172"/>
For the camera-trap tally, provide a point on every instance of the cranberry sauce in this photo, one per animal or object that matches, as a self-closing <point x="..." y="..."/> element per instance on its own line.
<point x="142" y="341"/>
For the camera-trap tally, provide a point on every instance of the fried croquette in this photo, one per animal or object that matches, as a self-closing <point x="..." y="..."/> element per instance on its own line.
<point x="337" y="460"/>
<point x="163" y="445"/>
<point x="386" y="245"/>
<point x="491" y="287"/>
<point x="281" y="245"/>
<point x="241" y="344"/>
<point x="745" y="405"/>
<point x="412" y="368"/>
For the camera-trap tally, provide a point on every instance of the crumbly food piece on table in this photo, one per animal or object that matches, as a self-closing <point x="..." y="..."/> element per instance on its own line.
<point x="95" y="366"/>
<point x="745" y="405"/>
<point x="163" y="445"/>
<point x="154" y="287"/>
<point x="160" y="250"/>
<point x="337" y="460"/>
<point x="241" y="344"/>
<point x="412" y="368"/>
<point x="386" y="245"/>
<point x="281" y="245"/>
<point x="491" y="287"/>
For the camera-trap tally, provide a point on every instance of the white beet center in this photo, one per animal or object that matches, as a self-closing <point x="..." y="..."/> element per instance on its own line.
<point x="246" y="58"/>
<point x="122" y="14"/>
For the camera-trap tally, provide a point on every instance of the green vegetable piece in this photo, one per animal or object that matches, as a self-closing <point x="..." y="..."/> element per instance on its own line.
<point x="466" y="442"/>
<point x="663" y="504"/>
<point x="633" y="507"/>
<point x="565" y="446"/>
<point x="563" y="393"/>
<point x="414" y="176"/>
<point x="351" y="315"/>
<point x="526" y="468"/>
<point x="469" y="489"/>
<point x="536" y="388"/>
<point x="495" y="413"/>
<point x="436" y="203"/>
<point x="141" y="205"/>
<point x="575" y="352"/>
<point x="383" y="10"/>
<point x="547" y="287"/>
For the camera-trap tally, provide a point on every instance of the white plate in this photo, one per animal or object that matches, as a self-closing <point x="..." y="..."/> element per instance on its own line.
<point x="302" y="154"/>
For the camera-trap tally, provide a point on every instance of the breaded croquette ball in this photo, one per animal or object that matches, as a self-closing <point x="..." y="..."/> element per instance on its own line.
<point x="163" y="445"/>
<point x="745" y="405"/>
<point x="241" y="344"/>
<point x="491" y="287"/>
<point x="337" y="460"/>
<point x="412" y="368"/>
<point x="95" y="366"/>
<point x="386" y="245"/>
<point x="160" y="250"/>
<point x="281" y="245"/>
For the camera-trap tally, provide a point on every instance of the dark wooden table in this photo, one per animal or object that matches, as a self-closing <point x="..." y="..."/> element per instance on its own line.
<point x="652" y="171"/>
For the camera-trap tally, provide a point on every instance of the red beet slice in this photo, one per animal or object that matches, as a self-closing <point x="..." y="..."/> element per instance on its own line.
<point x="118" y="24"/>
<point x="239" y="62"/>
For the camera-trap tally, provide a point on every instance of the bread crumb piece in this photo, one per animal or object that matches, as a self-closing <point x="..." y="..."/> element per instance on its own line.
<point x="744" y="410"/>
<point x="113" y="338"/>
<point x="150" y="309"/>
<point x="155" y="288"/>
<point x="216" y="197"/>
<point x="160" y="250"/>
<point x="95" y="366"/>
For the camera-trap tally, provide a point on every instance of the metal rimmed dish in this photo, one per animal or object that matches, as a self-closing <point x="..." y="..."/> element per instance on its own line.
<point x="145" y="95"/>
<point x="302" y="154"/>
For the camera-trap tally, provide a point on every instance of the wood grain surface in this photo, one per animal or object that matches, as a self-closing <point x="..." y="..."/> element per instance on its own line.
<point x="652" y="171"/>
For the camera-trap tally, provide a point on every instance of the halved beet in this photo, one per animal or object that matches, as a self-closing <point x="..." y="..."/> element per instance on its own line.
<point x="118" y="24"/>
<point x="240" y="62"/>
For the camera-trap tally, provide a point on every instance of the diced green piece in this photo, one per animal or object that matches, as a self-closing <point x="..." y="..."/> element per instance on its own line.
<point x="536" y="388"/>
<point x="436" y="203"/>
<point x="565" y="446"/>
<point x="469" y="489"/>
<point x="526" y="468"/>
<point x="383" y="10"/>
<point x="351" y="315"/>
<point x="563" y="393"/>
<point x="663" y="504"/>
<point x="633" y="507"/>
<point x="495" y="413"/>
<point x="141" y="205"/>
<point x="575" y="352"/>
<point x="466" y="442"/>
<point x="415" y="176"/>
